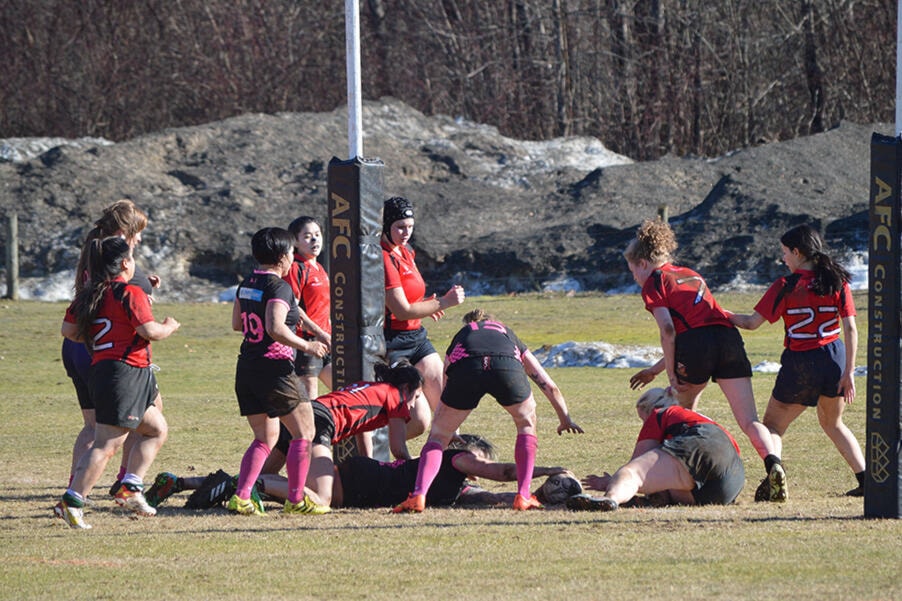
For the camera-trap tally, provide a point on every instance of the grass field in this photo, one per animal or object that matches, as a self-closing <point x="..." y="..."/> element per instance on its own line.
<point x="816" y="546"/>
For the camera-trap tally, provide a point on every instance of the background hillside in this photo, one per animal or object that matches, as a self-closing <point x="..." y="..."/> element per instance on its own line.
<point x="494" y="213"/>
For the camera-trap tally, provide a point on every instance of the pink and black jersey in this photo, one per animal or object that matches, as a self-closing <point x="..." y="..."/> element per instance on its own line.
<point x="123" y="308"/>
<point x="810" y="320"/>
<point x="401" y="272"/>
<point x="686" y="295"/>
<point x="363" y="407"/>
<point x="310" y="285"/>
<point x="254" y="294"/>
<point x="672" y="421"/>
<point x="485" y="339"/>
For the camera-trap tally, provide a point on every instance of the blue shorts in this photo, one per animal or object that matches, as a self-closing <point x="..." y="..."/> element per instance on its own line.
<point x="805" y="376"/>
<point x="412" y="345"/>
<point x="77" y="361"/>
<point x="712" y="352"/>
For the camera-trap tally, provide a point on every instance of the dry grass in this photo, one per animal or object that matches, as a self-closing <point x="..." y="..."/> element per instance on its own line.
<point x="817" y="546"/>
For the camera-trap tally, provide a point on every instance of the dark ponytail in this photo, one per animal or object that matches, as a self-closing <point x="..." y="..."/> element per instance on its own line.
<point x="104" y="259"/>
<point x="829" y="276"/>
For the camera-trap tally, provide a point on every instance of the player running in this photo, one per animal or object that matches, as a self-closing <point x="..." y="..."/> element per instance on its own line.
<point x="114" y="320"/>
<point x="816" y="368"/>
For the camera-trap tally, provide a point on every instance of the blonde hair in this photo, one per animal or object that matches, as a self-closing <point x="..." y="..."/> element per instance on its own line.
<point x="655" y="398"/>
<point x="654" y="242"/>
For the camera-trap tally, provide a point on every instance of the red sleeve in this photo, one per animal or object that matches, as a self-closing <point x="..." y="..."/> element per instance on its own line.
<point x="138" y="304"/>
<point x="765" y="307"/>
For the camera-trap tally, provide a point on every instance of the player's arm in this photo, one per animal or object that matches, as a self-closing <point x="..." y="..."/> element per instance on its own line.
<point x="237" y="324"/>
<point x="668" y="344"/>
<point x="276" y="312"/>
<point x="850" y="338"/>
<point x="311" y="326"/>
<point x="537" y="374"/>
<point x="397" y="438"/>
<point x="402" y="309"/>
<point x="70" y="330"/>
<point x="154" y="330"/>
<point x="476" y="466"/>
<point x="645" y="376"/>
<point x="747" y="322"/>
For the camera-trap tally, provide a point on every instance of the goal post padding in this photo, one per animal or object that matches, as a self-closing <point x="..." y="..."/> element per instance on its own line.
<point x="882" y="485"/>
<point x="356" y="274"/>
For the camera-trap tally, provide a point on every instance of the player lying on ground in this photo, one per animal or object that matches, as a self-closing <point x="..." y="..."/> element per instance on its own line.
<point x="680" y="452"/>
<point x="363" y="482"/>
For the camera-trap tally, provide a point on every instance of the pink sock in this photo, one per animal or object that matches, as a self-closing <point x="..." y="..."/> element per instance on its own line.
<point x="430" y="463"/>
<point x="297" y="464"/>
<point x="251" y="464"/>
<point x="525" y="458"/>
<point x="122" y="471"/>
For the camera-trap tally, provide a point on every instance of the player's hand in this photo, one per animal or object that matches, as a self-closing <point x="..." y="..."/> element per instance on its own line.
<point x="593" y="482"/>
<point x="642" y="378"/>
<point x="170" y="322"/>
<point x="569" y="425"/>
<point x="317" y="349"/>
<point x="154" y="280"/>
<point x="455" y="296"/>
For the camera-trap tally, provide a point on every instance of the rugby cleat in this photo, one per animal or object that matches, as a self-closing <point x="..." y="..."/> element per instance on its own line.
<point x="70" y="513"/>
<point x="131" y="497"/>
<point x="164" y="486"/>
<point x="522" y="503"/>
<point x="762" y="493"/>
<point x="586" y="502"/>
<point x="306" y="505"/>
<point x="413" y="504"/>
<point x="776" y="479"/>
<point x="216" y="488"/>
<point x="244" y="506"/>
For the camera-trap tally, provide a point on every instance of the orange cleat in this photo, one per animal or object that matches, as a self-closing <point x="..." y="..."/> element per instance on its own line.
<point x="413" y="504"/>
<point x="521" y="503"/>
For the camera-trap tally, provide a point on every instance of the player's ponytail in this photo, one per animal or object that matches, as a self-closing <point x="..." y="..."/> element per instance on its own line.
<point x="104" y="259"/>
<point x="829" y="276"/>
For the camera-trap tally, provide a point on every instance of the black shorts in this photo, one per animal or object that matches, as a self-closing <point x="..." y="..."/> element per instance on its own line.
<point x="122" y="393"/>
<point x="309" y="365"/>
<point x="708" y="453"/>
<point x="77" y="361"/>
<point x="805" y="376"/>
<point x="412" y="345"/>
<point x="325" y="425"/>
<point x="469" y="379"/>
<point x="712" y="352"/>
<point x="267" y="386"/>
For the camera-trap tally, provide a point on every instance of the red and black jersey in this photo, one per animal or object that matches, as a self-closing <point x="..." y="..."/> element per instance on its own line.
<point x="672" y="421"/>
<point x="686" y="295"/>
<point x="401" y="272"/>
<point x="123" y="308"/>
<point x="486" y="338"/>
<point x="310" y="285"/>
<point x="363" y="407"/>
<point x="254" y="294"/>
<point x="810" y="320"/>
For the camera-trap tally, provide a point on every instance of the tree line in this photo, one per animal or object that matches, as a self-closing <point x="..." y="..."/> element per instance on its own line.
<point x="646" y="77"/>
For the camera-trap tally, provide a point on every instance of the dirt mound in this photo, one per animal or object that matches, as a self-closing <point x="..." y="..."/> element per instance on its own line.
<point x="494" y="213"/>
